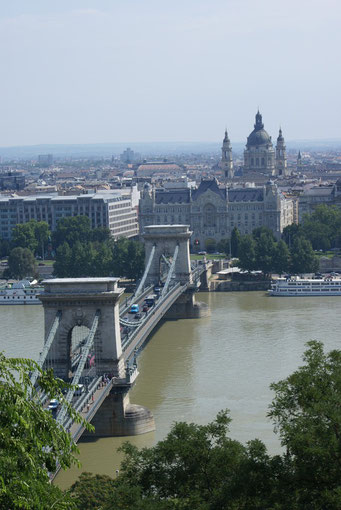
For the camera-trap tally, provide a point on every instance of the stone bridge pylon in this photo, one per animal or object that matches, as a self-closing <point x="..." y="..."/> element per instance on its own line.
<point x="171" y="242"/>
<point x="78" y="300"/>
<point x="168" y="241"/>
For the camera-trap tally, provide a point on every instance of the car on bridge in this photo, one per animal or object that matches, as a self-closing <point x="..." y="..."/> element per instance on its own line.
<point x="53" y="405"/>
<point x="150" y="300"/>
<point x="134" y="308"/>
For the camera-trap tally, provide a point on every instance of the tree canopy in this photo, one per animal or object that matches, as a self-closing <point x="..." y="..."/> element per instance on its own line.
<point x="73" y="229"/>
<point x="21" y="263"/>
<point x="32" y="235"/>
<point x="201" y="467"/>
<point x="124" y="258"/>
<point x="261" y="252"/>
<point x="31" y="441"/>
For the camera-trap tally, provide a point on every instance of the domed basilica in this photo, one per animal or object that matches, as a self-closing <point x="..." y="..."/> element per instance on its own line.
<point x="259" y="154"/>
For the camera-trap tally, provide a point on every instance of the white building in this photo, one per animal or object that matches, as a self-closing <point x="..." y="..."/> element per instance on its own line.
<point x="113" y="210"/>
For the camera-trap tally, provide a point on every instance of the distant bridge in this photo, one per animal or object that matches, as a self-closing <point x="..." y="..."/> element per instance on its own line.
<point x="92" y="341"/>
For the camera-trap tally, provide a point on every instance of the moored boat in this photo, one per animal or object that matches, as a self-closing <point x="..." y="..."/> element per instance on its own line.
<point x="296" y="286"/>
<point x="23" y="292"/>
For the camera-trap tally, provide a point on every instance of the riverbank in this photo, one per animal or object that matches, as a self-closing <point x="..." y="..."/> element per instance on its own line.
<point x="238" y="286"/>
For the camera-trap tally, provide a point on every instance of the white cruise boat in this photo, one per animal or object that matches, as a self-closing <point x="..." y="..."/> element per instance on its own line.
<point x="21" y="293"/>
<point x="296" y="286"/>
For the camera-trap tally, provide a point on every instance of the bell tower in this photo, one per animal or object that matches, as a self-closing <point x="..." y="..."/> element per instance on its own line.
<point x="281" y="155"/>
<point x="226" y="158"/>
<point x="299" y="162"/>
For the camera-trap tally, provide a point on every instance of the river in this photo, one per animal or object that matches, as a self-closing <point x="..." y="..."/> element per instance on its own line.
<point x="191" y="369"/>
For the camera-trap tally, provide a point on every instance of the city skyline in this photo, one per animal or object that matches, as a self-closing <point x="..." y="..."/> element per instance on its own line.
<point x="86" y="72"/>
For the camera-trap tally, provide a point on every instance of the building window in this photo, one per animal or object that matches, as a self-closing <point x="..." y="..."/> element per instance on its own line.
<point x="209" y="215"/>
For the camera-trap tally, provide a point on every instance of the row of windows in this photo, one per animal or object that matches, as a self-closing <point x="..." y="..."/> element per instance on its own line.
<point x="124" y="230"/>
<point x="126" y="222"/>
<point x="17" y="297"/>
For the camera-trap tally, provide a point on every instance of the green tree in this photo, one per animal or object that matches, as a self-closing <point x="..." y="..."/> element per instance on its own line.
<point x="82" y="258"/>
<point x="42" y="234"/>
<point x="194" y="467"/>
<point x="291" y="232"/>
<point x="281" y="258"/>
<point x="223" y="246"/>
<point x="62" y="266"/>
<point x="4" y="248"/>
<point x="323" y="227"/>
<point x="235" y="241"/>
<point x="200" y="467"/>
<point x="303" y="259"/>
<point x="100" y="234"/>
<point x="265" y="248"/>
<point x="257" y="232"/>
<point x="21" y="263"/>
<point x="103" y="260"/>
<point x="134" y="260"/>
<point x="210" y="245"/>
<point x="127" y="258"/>
<point x="247" y="253"/>
<point x="72" y="229"/>
<point x="23" y="236"/>
<point x="31" y="441"/>
<point x="307" y="415"/>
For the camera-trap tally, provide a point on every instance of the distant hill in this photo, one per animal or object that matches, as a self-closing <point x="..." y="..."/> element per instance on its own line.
<point x="149" y="148"/>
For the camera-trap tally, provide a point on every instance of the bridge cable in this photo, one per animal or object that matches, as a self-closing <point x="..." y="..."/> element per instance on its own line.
<point x="170" y="272"/>
<point x="84" y="356"/>
<point x="166" y="260"/>
<point x="145" y="274"/>
<point x="47" y="346"/>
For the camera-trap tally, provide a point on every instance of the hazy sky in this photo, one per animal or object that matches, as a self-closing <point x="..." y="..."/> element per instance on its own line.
<point x="177" y="70"/>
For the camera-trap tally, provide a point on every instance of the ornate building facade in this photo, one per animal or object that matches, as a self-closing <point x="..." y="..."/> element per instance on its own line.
<point x="212" y="212"/>
<point x="259" y="155"/>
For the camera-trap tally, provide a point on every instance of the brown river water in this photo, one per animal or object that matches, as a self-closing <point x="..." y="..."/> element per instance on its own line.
<point x="191" y="369"/>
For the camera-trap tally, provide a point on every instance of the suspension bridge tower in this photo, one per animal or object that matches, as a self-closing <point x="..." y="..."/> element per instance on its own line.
<point x="92" y="305"/>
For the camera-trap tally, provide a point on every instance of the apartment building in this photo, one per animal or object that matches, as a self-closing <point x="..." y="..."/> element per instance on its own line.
<point x="113" y="210"/>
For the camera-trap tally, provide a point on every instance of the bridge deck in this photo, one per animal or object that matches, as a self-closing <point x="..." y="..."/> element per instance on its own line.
<point x="90" y="402"/>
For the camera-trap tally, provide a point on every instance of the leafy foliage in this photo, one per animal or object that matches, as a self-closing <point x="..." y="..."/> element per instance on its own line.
<point x="306" y="411"/>
<point x="235" y="241"/>
<point x="21" y="263"/>
<point x="23" y="236"/>
<point x="247" y="253"/>
<point x="4" y="248"/>
<point x="124" y="258"/>
<point x="200" y="467"/>
<point x="70" y="230"/>
<point x="322" y="228"/>
<point x="32" y="235"/>
<point x="262" y="253"/>
<point x="31" y="441"/>
<point x="77" y="229"/>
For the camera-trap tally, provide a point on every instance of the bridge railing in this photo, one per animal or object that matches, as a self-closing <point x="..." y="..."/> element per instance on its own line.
<point x="82" y="402"/>
<point x="148" y="319"/>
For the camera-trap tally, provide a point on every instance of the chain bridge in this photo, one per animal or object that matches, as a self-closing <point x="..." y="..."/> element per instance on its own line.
<point x="93" y="341"/>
